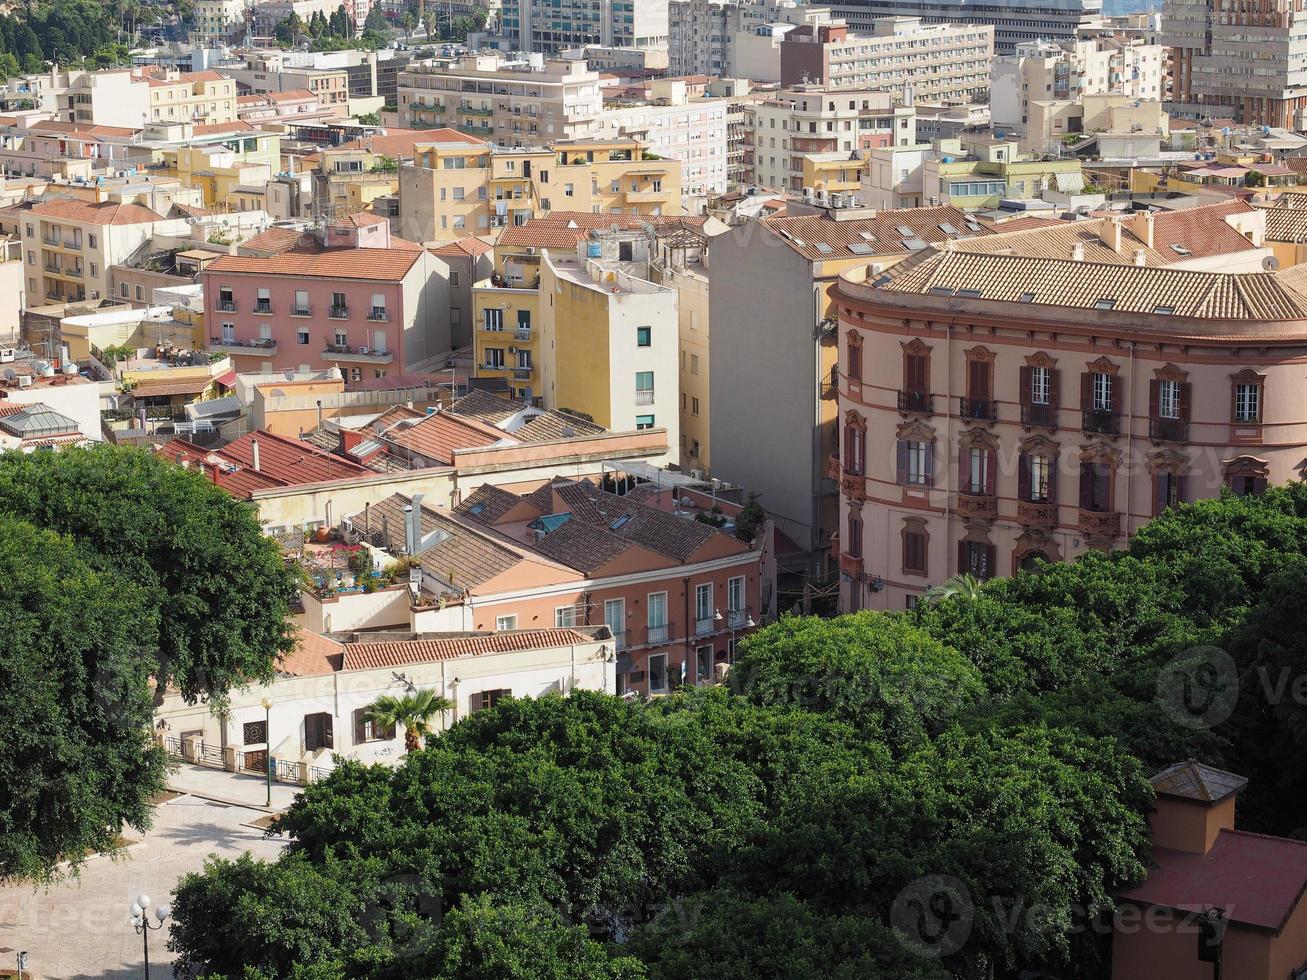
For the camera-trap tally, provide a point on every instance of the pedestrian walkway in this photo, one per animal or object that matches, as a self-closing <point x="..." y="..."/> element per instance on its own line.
<point x="239" y="788"/>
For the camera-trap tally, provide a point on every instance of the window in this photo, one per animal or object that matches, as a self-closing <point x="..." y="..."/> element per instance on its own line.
<point x="978" y="470"/>
<point x="915" y="463"/>
<point x="488" y="699"/>
<point x="1168" y="491"/>
<point x="1168" y="399"/>
<point x="301" y="307"/>
<point x="254" y="733"/>
<point x="914" y="547"/>
<point x="916" y="370"/>
<point x="565" y="616"/>
<point x="694" y="363"/>
<point x="503" y="623"/>
<point x="644" y="422"/>
<point x="1096" y="486"/>
<point x="656" y="616"/>
<point x="1100" y="392"/>
<point x="90" y="240"/>
<point x="853" y="546"/>
<point x="493" y="319"/>
<point x="976" y="558"/>
<point x="853" y="356"/>
<point x="339" y="308"/>
<point x="366" y="730"/>
<point x="643" y="336"/>
<point x="317" y="732"/>
<point x="1038" y="390"/>
<point x="644" y="387"/>
<point x="1248" y="402"/>
<point x="523" y="319"/>
<point x="855" y="445"/>
<point x="263" y="302"/>
<point x="340" y="338"/>
<point x="122" y="289"/>
<point x="1041" y="388"/>
<point x="615" y="617"/>
<point x="378" y="309"/>
<point x="658" y="672"/>
<point x="735" y="600"/>
<point x="703" y="609"/>
<point x="302" y="337"/>
<point x="694" y="406"/>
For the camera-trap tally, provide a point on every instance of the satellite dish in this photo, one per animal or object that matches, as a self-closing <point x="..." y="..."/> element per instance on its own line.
<point x="10" y="376"/>
<point x="1271" y="264"/>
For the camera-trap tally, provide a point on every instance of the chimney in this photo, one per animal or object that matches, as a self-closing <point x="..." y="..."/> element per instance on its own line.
<point x="1142" y="226"/>
<point x="254" y="452"/>
<point x="413" y="524"/>
<point x="1141" y="257"/>
<point x="1078" y="252"/>
<point x="1109" y="233"/>
<point x="1194" y="804"/>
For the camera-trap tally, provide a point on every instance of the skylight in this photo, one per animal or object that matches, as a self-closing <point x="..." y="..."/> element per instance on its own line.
<point x="1106" y="303"/>
<point x="905" y="231"/>
<point x="1026" y="298"/>
<point x="861" y="248"/>
<point x="619" y="522"/>
<point x="823" y="248"/>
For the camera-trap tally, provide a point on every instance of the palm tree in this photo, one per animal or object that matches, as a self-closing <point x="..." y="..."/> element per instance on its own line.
<point x="965" y="586"/>
<point x="413" y="711"/>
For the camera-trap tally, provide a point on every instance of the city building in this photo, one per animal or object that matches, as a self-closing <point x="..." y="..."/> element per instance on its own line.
<point x="470" y="260"/>
<point x="946" y="63"/>
<point x="1013" y="23"/>
<point x="1034" y="394"/>
<point x="205" y="98"/>
<point x="354" y="299"/>
<point x="706" y="36"/>
<point x="1249" y="62"/>
<point x="282" y="71"/>
<point x="978" y="171"/>
<point x="838" y="127"/>
<point x="514" y="103"/>
<point x="673" y="124"/>
<point x="218" y="23"/>
<point x="540" y="26"/>
<point x="1067" y="71"/>
<point x="599" y="57"/>
<point x="45" y="402"/>
<point x="1201" y="865"/>
<point x="220" y="171"/>
<point x="313" y="710"/>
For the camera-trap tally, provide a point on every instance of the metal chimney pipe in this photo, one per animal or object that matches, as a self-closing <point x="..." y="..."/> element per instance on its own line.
<point x="254" y="451"/>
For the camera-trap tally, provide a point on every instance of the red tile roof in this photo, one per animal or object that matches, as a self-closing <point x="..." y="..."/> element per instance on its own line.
<point x="462" y="248"/>
<point x="105" y="213"/>
<point x="400" y="142"/>
<point x="1256" y="880"/>
<point x="804" y="233"/>
<point x="437" y="436"/>
<point x="282" y="463"/>
<point x="369" y="656"/>
<point x="313" y="655"/>
<point x="371" y="264"/>
<point x="275" y="240"/>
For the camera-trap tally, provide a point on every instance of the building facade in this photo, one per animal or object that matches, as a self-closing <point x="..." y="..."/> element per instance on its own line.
<point x="541" y="26"/>
<point x="998" y="409"/>
<point x="1013" y="23"/>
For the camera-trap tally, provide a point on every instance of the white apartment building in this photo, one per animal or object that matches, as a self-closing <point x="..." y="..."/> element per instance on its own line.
<point x="520" y="103"/>
<point x="1066" y="71"/>
<point x="218" y="22"/>
<point x="704" y="36"/>
<point x="676" y="127"/>
<point x="1014" y="22"/>
<point x="810" y="120"/>
<point x="945" y="63"/>
<point x="545" y="26"/>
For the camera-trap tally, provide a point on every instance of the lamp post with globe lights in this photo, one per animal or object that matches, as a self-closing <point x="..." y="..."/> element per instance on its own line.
<point x="141" y="923"/>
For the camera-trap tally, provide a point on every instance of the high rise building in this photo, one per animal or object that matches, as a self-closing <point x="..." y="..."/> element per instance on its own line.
<point x="1013" y="23"/>
<point x="544" y="26"/>
<point x="1246" y="61"/>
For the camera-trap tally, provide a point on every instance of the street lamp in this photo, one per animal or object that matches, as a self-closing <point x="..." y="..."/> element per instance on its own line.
<point x="141" y="923"/>
<point x="267" y="740"/>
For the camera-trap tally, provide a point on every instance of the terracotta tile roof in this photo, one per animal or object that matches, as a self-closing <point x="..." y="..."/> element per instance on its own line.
<point x="291" y="462"/>
<point x="105" y="213"/>
<point x="192" y="386"/>
<point x="1257" y="880"/>
<point x="76" y="129"/>
<point x="1084" y="285"/>
<point x="370" y="656"/>
<point x="478" y="404"/>
<point x="882" y="234"/>
<point x="1192" y="780"/>
<point x="462" y="248"/>
<point x="563" y="229"/>
<point x="1286" y="225"/>
<point x="274" y="240"/>
<point x="556" y="425"/>
<point x="580" y="545"/>
<point x="1028" y="223"/>
<point x="361" y="219"/>
<point x="400" y="142"/>
<point x="487" y="504"/>
<point x="313" y="656"/>
<point x="370" y="264"/>
<point x="436" y="436"/>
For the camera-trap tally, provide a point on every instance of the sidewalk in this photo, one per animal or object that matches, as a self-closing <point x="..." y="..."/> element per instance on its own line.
<point x="237" y="788"/>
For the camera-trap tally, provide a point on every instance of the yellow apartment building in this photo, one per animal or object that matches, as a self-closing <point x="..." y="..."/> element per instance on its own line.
<point x="454" y="189"/>
<point x="204" y="98"/>
<point x="218" y="170"/>
<point x="834" y="173"/>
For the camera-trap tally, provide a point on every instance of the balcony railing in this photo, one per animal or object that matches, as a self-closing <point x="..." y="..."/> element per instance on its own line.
<point x="339" y="313"/>
<point x="644" y="396"/>
<point x="1100" y="421"/>
<point x="378" y="314"/>
<point x="1168" y="430"/>
<point x="349" y="353"/>
<point x="262" y="306"/>
<point x="919" y="402"/>
<point x="522" y="334"/>
<point x="980" y="409"/>
<point x="300" y="311"/>
<point x="1039" y="413"/>
<point x="264" y="345"/>
<point x="521" y="374"/>
<point x="1036" y="513"/>
<point x="1100" y="523"/>
<point x="702" y="627"/>
<point x="736" y="618"/>
<point x="977" y="505"/>
<point x="658" y="634"/>
<point x="491" y="366"/>
<point x="227" y="305"/>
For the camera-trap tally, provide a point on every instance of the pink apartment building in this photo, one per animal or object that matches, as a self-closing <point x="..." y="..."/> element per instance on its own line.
<point x="676" y="593"/>
<point x="351" y="298"/>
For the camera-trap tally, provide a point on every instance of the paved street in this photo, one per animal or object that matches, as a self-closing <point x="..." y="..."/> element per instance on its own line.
<point x="80" y="929"/>
<point x="230" y="787"/>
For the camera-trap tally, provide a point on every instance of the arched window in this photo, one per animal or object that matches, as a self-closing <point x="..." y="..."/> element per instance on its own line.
<point x="855" y="444"/>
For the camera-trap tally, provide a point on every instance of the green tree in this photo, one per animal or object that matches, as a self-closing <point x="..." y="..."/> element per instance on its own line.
<point x="750" y="518"/>
<point x="413" y="712"/>
<point x="218" y="589"/>
<point x="76" y="760"/>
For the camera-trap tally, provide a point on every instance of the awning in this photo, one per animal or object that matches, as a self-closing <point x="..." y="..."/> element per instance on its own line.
<point x="227" y="380"/>
<point x="193" y="387"/>
<point x="1070" y="183"/>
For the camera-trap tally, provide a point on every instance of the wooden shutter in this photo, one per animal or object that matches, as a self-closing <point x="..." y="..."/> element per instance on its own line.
<point x="929" y="459"/>
<point x="1186" y="399"/>
<point x="360" y="726"/>
<point x="311" y="736"/>
<point x="991" y="465"/>
<point x="1024" y="394"/>
<point x="962" y="558"/>
<point x="1086" y="486"/>
<point x="328" y="739"/>
<point x="964" y="467"/>
<point x="916" y="370"/>
<point x="978" y="381"/>
<point x="1086" y="391"/>
<point x="902" y="474"/>
<point x="1023" y="477"/>
<point x="1181" y="489"/>
<point x="1052" y="481"/>
<point x="1154" y="398"/>
<point x="1160" y="500"/>
<point x="1113" y="392"/>
<point x="1234" y="401"/>
<point x="1052" y="394"/>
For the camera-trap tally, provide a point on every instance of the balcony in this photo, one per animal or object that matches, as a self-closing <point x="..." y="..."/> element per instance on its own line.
<point x="1168" y="430"/>
<point x="378" y="314"/>
<point x="850" y="565"/>
<point x="521" y="374"/>
<point x="1100" y="523"/>
<point x="264" y="346"/>
<point x="648" y="196"/>
<point x="978" y="409"/>
<point x="916" y="403"/>
<point x="1036" y="513"/>
<point x="474" y="130"/>
<point x="703" y="627"/>
<point x="1100" y="421"/>
<point x="369" y="355"/>
<point x="339" y="313"/>
<point x="833" y="470"/>
<point x="522" y="334"/>
<point x="644" y="396"/>
<point x="830" y="386"/>
<point x="263" y="306"/>
<point x="977" y="506"/>
<point x="301" y="311"/>
<point x="853" y="486"/>
<point x="226" y="306"/>
<point x="491" y="366"/>
<point x="476" y="110"/>
<point x="1039" y="414"/>
<point x="658" y="634"/>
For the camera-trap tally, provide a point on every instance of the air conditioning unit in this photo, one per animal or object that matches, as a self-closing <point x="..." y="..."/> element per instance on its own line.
<point x="24" y="381"/>
<point x="821" y="197"/>
<point x="8" y="355"/>
<point x="696" y="474"/>
<point x="807" y="194"/>
<point x="530" y="250"/>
